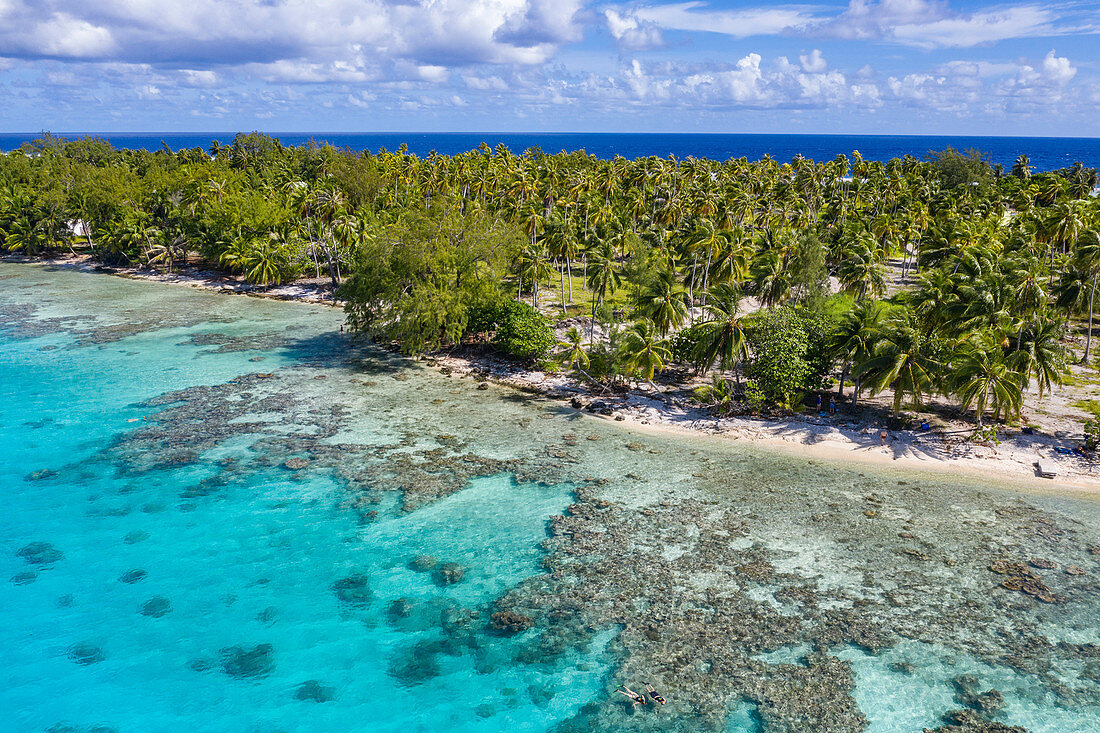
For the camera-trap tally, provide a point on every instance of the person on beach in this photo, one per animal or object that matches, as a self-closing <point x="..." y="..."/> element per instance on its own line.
<point x="832" y="405"/>
<point x="883" y="434"/>
<point x="819" y="404"/>
<point x="635" y="698"/>
<point x="649" y="688"/>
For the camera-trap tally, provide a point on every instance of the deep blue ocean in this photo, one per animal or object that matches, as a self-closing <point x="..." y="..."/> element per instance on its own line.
<point x="1046" y="153"/>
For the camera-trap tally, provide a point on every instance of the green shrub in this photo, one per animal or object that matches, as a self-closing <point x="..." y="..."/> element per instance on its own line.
<point x="754" y="396"/>
<point x="520" y="330"/>
<point x="789" y="353"/>
<point x="1092" y="433"/>
<point x="684" y="344"/>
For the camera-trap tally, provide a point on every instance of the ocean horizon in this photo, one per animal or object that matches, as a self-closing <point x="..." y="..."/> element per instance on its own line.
<point x="1046" y="153"/>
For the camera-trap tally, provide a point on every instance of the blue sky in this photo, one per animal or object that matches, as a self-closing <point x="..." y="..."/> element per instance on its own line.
<point x="855" y="66"/>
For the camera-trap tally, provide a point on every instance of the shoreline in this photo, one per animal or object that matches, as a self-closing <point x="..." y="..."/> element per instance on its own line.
<point x="836" y="439"/>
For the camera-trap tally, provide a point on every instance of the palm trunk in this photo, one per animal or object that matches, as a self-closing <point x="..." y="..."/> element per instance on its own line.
<point x="1088" y="336"/>
<point x="843" y="378"/>
<point x="706" y="275"/>
<point x="569" y="277"/>
<point x="561" y="275"/>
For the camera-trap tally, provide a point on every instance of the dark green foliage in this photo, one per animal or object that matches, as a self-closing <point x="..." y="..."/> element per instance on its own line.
<point x="789" y="349"/>
<point x="415" y="280"/>
<point x="957" y="169"/>
<point x="684" y="344"/>
<point x="1091" y="431"/>
<point x="517" y="328"/>
<point x="524" y="333"/>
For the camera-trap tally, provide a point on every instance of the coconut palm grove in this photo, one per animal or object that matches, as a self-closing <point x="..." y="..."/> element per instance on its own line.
<point x="911" y="277"/>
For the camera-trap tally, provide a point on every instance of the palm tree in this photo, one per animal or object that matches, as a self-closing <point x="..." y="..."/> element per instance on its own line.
<point x="854" y="338"/>
<point x="1039" y="354"/>
<point x="644" y="352"/>
<point x="861" y="270"/>
<point x="771" y="278"/>
<point x="533" y="264"/>
<point x="981" y="378"/>
<point x="1087" y="260"/>
<point x="1022" y="167"/>
<point x="718" y="395"/>
<point x="663" y="301"/>
<point x="902" y="358"/>
<point x="572" y="353"/>
<point x="26" y="235"/>
<point x="604" y="275"/>
<point x="722" y="336"/>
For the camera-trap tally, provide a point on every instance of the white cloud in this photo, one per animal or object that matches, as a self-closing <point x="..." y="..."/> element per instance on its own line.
<point x="315" y="39"/>
<point x="920" y="23"/>
<point x="433" y="73"/>
<point x="749" y="83"/>
<point x="978" y="28"/>
<point x="961" y="87"/>
<point x="198" y="78"/>
<point x="1058" y="69"/>
<point x="813" y="62"/>
<point x="928" y="23"/>
<point x="490" y="83"/>
<point x="697" y="16"/>
<point x="631" y="32"/>
<point x="58" y="35"/>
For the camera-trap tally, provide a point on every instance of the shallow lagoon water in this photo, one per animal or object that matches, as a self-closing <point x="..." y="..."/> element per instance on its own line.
<point x="190" y="578"/>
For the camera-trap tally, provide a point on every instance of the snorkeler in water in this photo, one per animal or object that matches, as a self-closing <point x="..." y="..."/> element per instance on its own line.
<point x="653" y="693"/>
<point x="634" y="696"/>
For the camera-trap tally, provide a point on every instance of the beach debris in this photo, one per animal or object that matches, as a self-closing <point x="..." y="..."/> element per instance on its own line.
<point x="1046" y="468"/>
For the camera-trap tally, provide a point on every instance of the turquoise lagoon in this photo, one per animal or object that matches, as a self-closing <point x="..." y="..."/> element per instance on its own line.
<point x="164" y="567"/>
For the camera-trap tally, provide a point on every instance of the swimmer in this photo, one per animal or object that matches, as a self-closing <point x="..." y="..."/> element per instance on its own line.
<point x="653" y="693"/>
<point x="634" y="696"/>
